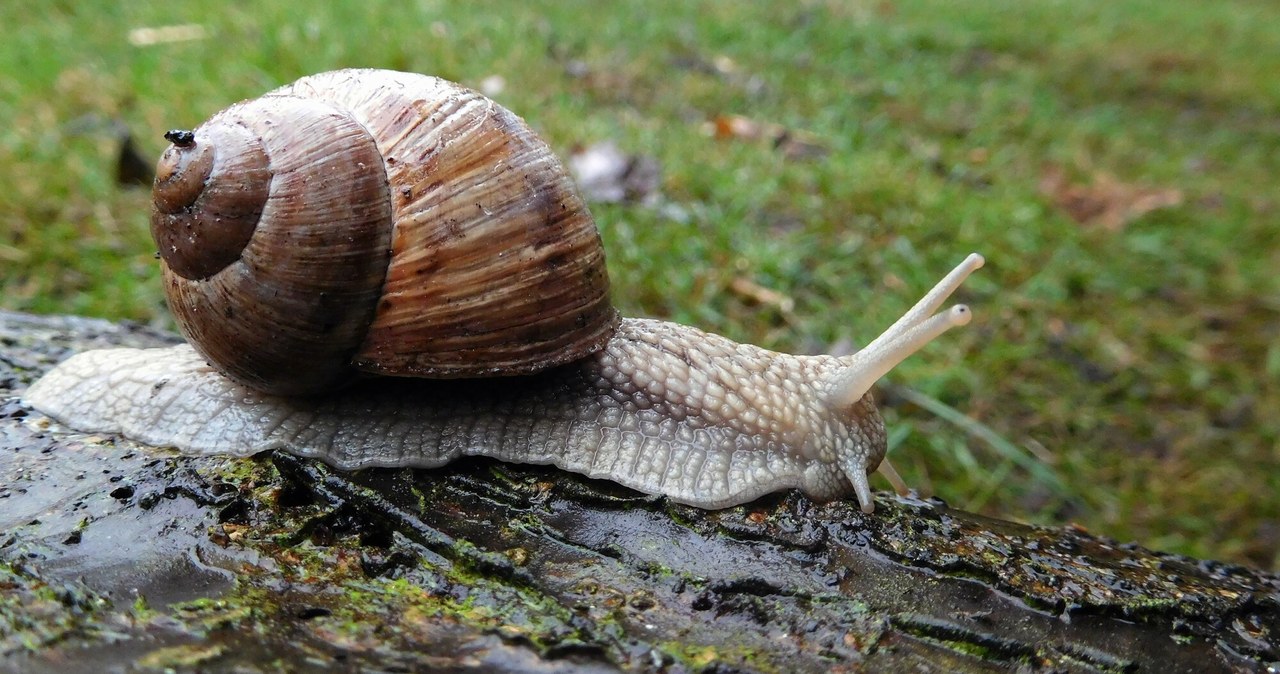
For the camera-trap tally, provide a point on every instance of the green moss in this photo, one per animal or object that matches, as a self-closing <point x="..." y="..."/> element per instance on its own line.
<point x="141" y="610"/>
<point x="36" y="614"/>
<point x="247" y="608"/>
<point x="699" y="657"/>
<point x="192" y="657"/>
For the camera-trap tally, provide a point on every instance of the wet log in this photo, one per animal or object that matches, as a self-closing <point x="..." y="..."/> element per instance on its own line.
<point x="115" y="556"/>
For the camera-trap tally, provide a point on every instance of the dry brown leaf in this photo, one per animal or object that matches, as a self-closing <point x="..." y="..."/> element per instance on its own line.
<point x="132" y="169"/>
<point x="793" y="144"/>
<point x="1105" y="201"/>
<point x="754" y="292"/>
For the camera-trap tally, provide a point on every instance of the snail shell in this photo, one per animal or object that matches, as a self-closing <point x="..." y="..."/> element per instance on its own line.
<point x="380" y="222"/>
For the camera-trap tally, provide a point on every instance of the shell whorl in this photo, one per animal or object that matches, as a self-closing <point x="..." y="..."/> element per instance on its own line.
<point x="303" y="287"/>
<point x="408" y="226"/>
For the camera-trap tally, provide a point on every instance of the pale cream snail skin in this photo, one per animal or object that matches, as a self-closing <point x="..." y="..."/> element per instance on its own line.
<point x="447" y="241"/>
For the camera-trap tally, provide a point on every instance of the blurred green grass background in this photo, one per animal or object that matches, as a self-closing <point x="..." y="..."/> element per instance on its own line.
<point x="1116" y="162"/>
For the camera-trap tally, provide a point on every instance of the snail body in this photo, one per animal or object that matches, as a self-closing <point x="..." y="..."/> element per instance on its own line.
<point x="460" y="187"/>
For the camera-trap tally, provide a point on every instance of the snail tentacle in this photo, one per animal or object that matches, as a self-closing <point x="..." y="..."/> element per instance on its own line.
<point x="908" y="334"/>
<point x="891" y="474"/>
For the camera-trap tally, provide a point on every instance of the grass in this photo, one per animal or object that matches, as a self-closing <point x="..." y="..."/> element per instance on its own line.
<point x="1136" y="354"/>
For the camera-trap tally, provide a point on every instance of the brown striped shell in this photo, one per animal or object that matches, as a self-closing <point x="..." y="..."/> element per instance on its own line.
<point x="381" y="222"/>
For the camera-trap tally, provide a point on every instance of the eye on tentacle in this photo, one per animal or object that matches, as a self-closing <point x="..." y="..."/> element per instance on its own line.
<point x="919" y="326"/>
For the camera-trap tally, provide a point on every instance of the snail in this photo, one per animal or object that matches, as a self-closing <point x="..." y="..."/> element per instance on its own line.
<point x="377" y="268"/>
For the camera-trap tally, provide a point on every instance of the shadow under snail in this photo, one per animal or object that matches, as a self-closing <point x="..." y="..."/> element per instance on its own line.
<point x="359" y="223"/>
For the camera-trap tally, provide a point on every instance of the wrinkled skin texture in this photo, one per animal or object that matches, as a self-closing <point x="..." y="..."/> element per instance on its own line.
<point x="664" y="409"/>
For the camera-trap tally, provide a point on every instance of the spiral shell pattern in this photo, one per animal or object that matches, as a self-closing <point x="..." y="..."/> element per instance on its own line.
<point x="376" y="221"/>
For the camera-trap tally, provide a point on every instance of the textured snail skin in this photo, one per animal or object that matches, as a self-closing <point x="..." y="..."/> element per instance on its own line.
<point x="664" y="409"/>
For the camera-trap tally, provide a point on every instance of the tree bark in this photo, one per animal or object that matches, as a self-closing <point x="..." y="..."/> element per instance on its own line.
<point x="115" y="556"/>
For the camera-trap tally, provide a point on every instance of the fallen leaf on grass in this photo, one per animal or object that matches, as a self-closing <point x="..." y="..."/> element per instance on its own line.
<point x="492" y="85"/>
<point x="152" y="35"/>
<point x="11" y="253"/>
<point x="606" y="174"/>
<point x="754" y="292"/>
<point x="132" y="170"/>
<point x="1106" y="201"/>
<point x="793" y="144"/>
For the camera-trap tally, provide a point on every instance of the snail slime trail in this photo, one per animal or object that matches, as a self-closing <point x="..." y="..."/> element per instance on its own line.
<point x="417" y="271"/>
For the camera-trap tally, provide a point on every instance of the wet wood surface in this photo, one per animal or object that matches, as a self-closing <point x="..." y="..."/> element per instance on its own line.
<point x="118" y="557"/>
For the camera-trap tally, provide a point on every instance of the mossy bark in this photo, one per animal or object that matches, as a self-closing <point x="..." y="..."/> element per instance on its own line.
<point x="116" y="556"/>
